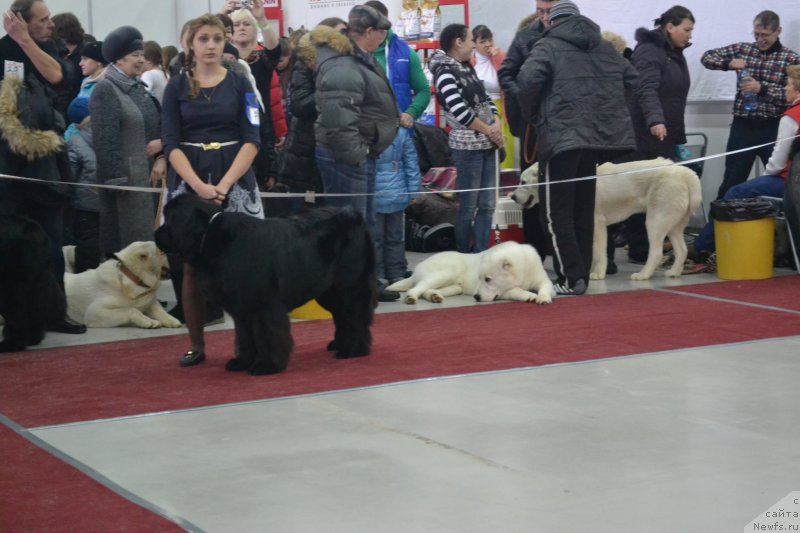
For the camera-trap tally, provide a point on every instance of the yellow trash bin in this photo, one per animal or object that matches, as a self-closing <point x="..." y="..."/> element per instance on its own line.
<point x="745" y="249"/>
<point x="310" y="310"/>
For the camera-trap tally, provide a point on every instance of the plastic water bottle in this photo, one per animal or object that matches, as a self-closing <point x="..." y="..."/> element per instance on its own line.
<point x="749" y="100"/>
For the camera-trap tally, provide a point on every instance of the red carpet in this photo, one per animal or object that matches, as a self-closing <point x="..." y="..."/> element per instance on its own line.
<point x="38" y="492"/>
<point x="134" y="377"/>
<point x="783" y="292"/>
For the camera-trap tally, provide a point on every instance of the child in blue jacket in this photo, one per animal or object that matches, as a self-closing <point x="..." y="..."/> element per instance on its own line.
<point x="396" y="184"/>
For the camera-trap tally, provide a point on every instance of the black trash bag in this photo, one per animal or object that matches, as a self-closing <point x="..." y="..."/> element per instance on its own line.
<point x="741" y="210"/>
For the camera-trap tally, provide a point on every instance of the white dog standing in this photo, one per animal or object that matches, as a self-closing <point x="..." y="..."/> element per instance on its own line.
<point x="504" y="272"/>
<point x="667" y="192"/>
<point x="121" y="291"/>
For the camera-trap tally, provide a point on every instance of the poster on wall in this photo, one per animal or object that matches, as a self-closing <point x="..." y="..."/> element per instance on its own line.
<point x="321" y="9"/>
<point x="272" y="3"/>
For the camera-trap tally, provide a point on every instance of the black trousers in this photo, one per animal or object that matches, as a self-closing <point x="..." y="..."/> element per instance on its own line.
<point x="86" y="233"/>
<point x="745" y="133"/>
<point x="568" y="211"/>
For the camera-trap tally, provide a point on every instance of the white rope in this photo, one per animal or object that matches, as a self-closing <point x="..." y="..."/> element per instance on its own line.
<point x="326" y="195"/>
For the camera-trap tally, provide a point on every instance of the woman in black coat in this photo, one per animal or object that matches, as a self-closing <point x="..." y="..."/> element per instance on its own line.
<point x="658" y="114"/>
<point x="663" y="84"/>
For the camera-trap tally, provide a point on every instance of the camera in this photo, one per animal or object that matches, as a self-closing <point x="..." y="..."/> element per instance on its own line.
<point x="245" y="4"/>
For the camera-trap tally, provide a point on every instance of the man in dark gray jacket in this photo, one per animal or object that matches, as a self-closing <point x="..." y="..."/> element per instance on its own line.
<point x="357" y="112"/>
<point x="573" y="87"/>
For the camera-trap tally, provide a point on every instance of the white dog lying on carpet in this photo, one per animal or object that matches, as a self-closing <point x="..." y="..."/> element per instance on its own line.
<point x="667" y="192"/>
<point x="121" y="291"/>
<point x="507" y="271"/>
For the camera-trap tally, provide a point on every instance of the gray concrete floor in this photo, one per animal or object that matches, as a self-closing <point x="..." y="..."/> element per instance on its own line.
<point x="697" y="440"/>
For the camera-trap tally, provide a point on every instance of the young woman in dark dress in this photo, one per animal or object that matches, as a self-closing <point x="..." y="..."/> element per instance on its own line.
<point x="211" y="136"/>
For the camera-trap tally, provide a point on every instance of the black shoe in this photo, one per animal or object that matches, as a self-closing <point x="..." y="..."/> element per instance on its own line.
<point x="68" y="326"/>
<point x="565" y="290"/>
<point x="611" y="268"/>
<point x="192" y="358"/>
<point x="388" y="296"/>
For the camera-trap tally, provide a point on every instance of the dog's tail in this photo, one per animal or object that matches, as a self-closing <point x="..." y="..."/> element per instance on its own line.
<point x="695" y="191"/>
<point x="401" y="286"/>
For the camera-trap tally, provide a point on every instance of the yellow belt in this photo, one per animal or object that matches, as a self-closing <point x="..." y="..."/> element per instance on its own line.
<point x="211" y="145"/>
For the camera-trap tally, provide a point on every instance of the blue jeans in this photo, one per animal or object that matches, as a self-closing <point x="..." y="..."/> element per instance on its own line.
<point x="475" y="170"/>
<point x="355" y="180"/>
<point x="760" y="186"/>
<point x="390" y="246"/>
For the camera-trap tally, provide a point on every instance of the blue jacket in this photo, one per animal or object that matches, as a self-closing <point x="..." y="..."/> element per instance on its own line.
<point x="398" y="174"/>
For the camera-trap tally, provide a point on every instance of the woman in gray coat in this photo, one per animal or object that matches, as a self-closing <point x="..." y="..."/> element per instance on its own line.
<point x="127" y="137"/>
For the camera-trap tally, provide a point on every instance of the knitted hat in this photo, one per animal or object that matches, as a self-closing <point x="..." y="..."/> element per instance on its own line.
<point x="562" y="9"/>
<point x="230" y="49"/>
<point x="78" y="110"/>
<point x="94" y="50"/>
<point x="122" y="42"/>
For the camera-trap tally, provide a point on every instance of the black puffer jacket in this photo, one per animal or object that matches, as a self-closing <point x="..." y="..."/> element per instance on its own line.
<point x="298" y="167"/>
<point x="663" y="88"/>
<point x="573" y="87"/>
<point x="509" y="70"/>
<point x="357" y="109"/>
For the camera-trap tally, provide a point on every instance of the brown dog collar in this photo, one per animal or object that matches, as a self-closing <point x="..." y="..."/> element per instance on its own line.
<point x="128" y="273"/>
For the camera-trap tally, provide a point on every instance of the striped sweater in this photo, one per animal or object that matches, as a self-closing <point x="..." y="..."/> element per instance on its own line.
<point x="461" y="94"/>
<point x="768" y="68"/>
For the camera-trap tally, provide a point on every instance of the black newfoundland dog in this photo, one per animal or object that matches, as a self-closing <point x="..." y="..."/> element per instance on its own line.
<point x="30" y="296"/>
<point x="259" y="270"/>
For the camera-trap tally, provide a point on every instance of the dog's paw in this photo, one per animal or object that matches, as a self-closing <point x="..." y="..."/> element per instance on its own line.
<point x="543" y="299"/>
<point x="672" y="273"/>
<point x="7" y="346"/>
<point x="238" y="365"/>
<point x="597" y="275"/>
<point x="170" y="322"/>
<point x="436" y="298"/>
<point x="263" y="367"/>
<point x="638" y="276"/>
<point x="411" y="300"/>
<point x="148" y="323"/>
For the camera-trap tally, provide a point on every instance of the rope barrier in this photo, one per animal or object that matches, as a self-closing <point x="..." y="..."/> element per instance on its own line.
<point x="157" y="190"/>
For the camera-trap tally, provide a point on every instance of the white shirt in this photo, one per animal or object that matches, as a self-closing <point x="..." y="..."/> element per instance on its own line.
<point x="787" y="129"/>
<point x="488" y="75"/>
<point x="156" y="82"/>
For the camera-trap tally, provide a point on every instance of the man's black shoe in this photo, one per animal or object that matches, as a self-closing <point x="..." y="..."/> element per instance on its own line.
<point x="388" y="296"/>
<point x="68" y="326"/>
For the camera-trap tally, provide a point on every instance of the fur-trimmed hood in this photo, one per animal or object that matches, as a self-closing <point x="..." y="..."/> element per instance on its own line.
<point x="307" y="52"/>
<point x="24" y="141"/>
<point x="330" y="43"/>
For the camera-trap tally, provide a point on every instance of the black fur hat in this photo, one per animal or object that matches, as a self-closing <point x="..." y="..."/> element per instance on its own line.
<point x="122" y="42"/>
<point x="94" y="50"/>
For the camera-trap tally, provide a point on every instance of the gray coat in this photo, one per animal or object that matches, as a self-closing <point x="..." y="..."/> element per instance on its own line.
<point x="124" y="119"/>
<point x="573" y="87"/>
<point x="358" y="113"/>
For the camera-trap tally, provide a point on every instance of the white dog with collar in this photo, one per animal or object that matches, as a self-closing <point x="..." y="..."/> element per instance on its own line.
<point x="121" y="291"/>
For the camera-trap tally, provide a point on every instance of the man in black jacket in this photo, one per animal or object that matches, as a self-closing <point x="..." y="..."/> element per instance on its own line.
<point x="572" y="86"/>
<point x="30" y="144"/>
